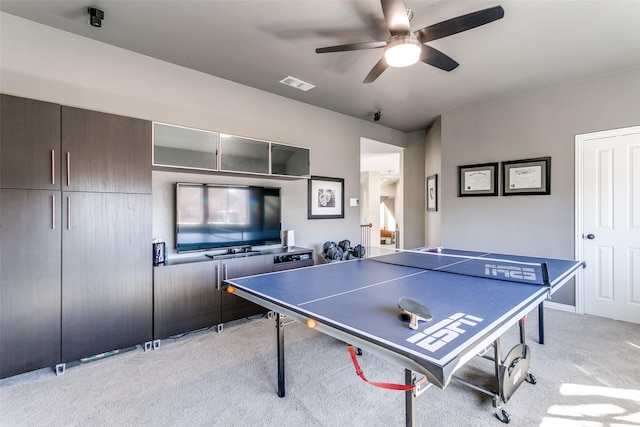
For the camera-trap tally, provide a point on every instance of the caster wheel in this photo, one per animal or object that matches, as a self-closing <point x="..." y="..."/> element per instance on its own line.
<point x="531" y="379"/>
<point x="503" y="416"/>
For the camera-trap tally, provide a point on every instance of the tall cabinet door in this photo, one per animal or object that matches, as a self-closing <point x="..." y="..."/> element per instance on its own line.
<point x="29" y="143"/>
<point x="105" y="152"/>
<point x="186" y="298"/>
<point x="29" y="280"/>
<point x="107" y="294"/>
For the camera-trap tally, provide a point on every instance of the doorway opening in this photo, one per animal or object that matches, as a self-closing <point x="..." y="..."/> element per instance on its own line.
<point x="381" y="190"/>
<point x="388" y="224"/>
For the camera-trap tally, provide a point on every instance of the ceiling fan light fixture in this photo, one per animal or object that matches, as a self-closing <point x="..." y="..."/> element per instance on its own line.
<point x="402" y="51"/>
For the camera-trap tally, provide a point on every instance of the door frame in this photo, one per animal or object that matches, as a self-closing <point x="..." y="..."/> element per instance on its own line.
<point x="579" y="200"/>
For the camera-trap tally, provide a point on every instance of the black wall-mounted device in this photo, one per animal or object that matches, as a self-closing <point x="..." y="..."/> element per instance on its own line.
<point x="95" y="17"/>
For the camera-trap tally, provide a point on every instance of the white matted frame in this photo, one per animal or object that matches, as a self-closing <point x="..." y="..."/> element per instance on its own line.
<point x="526" y="177"/>
<point x="478" y="180"/>
<point x="432" y="193"/>
<point x="325" y="198"/>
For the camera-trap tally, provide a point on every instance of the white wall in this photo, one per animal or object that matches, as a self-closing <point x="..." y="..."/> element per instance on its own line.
<point x="44" y="63"/>
<point x="537" y="124"/>
<point x="388" y="190"/>
<point x="371" y="186"/>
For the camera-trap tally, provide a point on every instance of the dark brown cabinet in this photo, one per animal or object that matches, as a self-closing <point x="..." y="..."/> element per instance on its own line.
<point x="30" y="257"/>
<point x="107" y="288"/>
<point x="190" y="294"/>
<point x="107" y="295"/>
<point x="75" y="229"/>
<point x="105" y="152"/>
<point x="29" y="280"/>
<point x="29" y="144"/>
<point x="186" y="298"/>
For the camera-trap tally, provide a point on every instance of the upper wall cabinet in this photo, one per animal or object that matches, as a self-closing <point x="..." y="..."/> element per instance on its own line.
<point x="177" y="146"/>
<point x="29" y="144"/>
<point x="290" y="161"/>
<point x="238" y="154"/>
<point x="185" y="148"/>
<point x="105" y="152"/>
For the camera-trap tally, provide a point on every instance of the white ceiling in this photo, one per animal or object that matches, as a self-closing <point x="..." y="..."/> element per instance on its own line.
<point x="379" y="157"/>
<point x="537" y="45"/>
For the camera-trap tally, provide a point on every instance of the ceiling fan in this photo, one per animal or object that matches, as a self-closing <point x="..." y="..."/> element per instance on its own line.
<point x="405" y="48"/>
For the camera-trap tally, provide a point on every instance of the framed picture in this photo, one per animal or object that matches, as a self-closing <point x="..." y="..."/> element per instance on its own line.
<point x="478" y="180"/>
<point x="325" y="198"/>
<point x="432" y="193"/>
<point x="526" y="177"/>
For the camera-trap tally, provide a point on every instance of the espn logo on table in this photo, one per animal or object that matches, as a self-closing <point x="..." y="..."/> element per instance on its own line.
<point x="510" y="272"/>
<point x="443" y="332"/>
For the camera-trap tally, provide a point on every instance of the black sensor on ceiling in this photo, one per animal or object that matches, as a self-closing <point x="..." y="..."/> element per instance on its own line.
<point x="95" y="17"/>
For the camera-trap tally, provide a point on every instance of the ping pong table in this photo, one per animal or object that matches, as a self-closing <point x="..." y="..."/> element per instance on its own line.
<point x="474" y="298"/>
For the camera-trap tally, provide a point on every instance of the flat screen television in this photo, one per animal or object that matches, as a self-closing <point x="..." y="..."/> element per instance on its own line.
<point x="210" y="216"/>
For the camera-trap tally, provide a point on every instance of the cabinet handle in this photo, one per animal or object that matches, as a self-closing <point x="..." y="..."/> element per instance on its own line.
<point x="68" y="212"/>
<point x="53" y="167"/>
<point x="53" y="211"/>
<point x="68" y="169"/>
<point x="224" y="272"/>
<point x="217" y="278"/>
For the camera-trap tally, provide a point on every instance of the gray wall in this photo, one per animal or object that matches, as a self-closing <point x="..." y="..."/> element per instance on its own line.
<point x="413" y="188"/>
<point x="433" y="167"/>
<point x="537" y="124"/>
<point x="41" y="62"/>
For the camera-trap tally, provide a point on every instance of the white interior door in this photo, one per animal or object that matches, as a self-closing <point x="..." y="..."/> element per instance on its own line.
<point x="608" y="223"/>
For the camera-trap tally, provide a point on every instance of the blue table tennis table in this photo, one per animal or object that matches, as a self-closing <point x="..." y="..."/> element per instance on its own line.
<point x="474" y="299"/>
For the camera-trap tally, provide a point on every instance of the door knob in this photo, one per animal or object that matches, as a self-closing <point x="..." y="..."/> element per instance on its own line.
<point x="590" y="236"/>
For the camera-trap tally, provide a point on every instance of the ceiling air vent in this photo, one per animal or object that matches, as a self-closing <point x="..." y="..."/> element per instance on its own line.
<point x="297" y="83"/>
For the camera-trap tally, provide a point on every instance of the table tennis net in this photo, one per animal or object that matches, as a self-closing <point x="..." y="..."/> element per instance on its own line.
<point x="486" y="267"/>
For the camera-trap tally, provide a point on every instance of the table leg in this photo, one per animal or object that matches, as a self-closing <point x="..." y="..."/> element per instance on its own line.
<point x="280" y="345"/>
<point x="410" y="399"/>
<point x="497" y="361"/>
<point x="541" y="323"/>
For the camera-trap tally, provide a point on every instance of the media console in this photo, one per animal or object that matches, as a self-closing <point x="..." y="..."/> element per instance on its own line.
<point x="292" y="260"/>
<point x="189" y="293"/>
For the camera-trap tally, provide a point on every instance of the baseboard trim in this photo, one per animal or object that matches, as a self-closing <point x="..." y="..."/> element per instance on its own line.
<point x="558" y="306"/>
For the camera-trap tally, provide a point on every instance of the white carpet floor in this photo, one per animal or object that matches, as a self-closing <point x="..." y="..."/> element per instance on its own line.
<point x="588" y="375"/>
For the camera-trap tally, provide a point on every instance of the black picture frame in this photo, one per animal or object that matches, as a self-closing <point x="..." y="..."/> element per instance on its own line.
<point x="325" y="198"/>
<point x="431" y="196"/>
<point x="527" y="177"/>
<point x="478" y="180"/>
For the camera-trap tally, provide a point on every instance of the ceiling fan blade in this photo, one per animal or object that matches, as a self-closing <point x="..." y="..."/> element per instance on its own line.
<point x="460" y="24"/>
<point x="352" y="46"/>
<point x="436" y="58"/>
<point x="376" y="71"/>
<point x="395" y="14"/>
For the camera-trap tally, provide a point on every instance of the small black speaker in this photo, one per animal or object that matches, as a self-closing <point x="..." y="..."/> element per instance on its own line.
<point x="159" y="256"/>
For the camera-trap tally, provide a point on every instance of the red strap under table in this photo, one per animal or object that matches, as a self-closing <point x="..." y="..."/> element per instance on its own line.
<point x="390" y="386"/>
